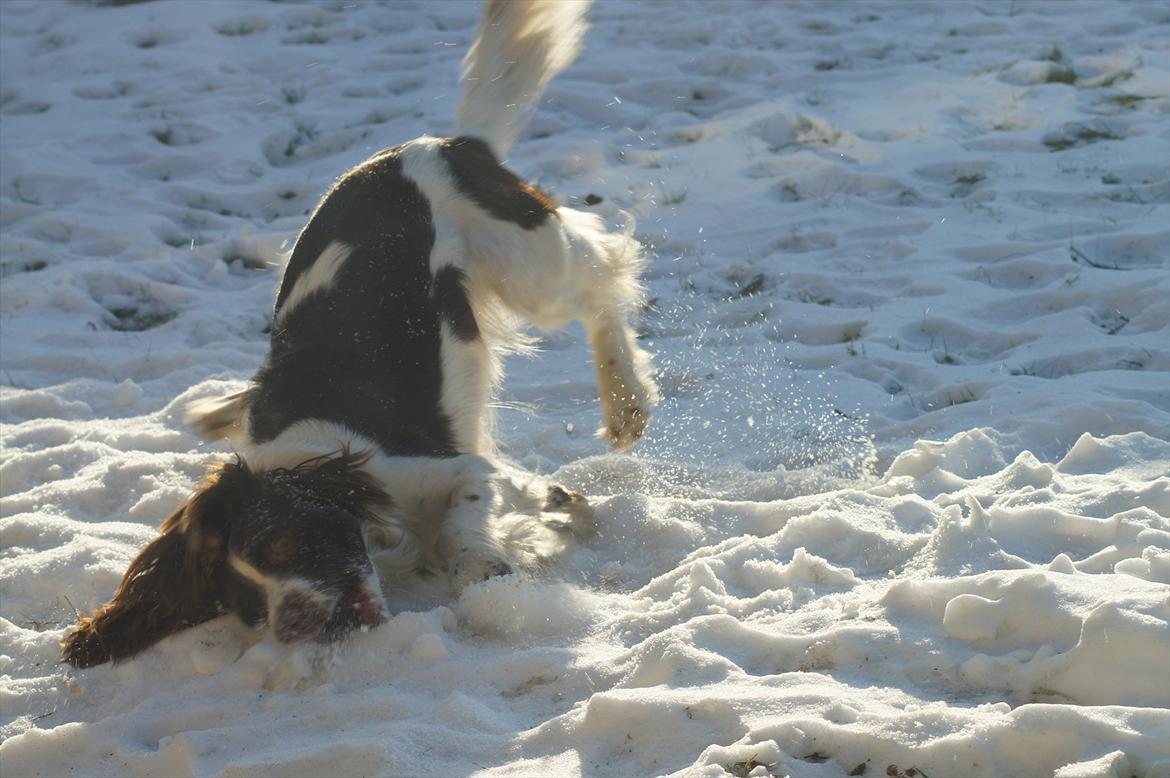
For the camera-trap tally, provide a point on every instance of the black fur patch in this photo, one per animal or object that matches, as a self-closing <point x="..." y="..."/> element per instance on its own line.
<point x="450" y="296"/>
<point x="243" y="598"/>
<point x="365" y="353"/>
<point x="494" y="188"/>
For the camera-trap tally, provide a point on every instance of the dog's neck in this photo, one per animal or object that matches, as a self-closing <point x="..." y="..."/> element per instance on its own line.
<point x="420" y="487"/>
<point x="305" y="440"/>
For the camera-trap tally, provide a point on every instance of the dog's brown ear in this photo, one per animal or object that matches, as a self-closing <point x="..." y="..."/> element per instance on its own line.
<point x="171" y="585"/>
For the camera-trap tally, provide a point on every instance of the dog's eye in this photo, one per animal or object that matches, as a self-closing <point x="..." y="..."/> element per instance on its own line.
<point x="280" y="549"/>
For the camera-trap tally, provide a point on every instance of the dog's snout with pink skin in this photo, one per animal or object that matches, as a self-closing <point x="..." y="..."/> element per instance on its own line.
<point x="306" y="613"/>
<point x="366" y="606"/>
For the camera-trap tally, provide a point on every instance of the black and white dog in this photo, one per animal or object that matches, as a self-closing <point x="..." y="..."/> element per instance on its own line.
<point x="367" y="429"/>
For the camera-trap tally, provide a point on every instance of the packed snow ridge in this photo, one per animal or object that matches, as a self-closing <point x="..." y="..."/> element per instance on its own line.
<point x="904" y="508"/>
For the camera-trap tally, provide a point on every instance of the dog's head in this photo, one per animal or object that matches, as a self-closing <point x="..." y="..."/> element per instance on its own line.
<point x="283" y="548"/>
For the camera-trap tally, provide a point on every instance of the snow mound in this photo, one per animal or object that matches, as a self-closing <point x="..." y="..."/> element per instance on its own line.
<point x="905" y="504"/>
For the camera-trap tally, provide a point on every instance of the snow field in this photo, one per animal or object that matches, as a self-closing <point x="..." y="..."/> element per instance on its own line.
<point x="906" y="500"/>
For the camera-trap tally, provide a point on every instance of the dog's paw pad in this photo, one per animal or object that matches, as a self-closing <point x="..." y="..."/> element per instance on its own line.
<point x="470" y="572"/>
<point x="495" y="569"/>
<point x="561" y="499"/>
<point x="625" y="427"/>
<point x="576" y="513"/>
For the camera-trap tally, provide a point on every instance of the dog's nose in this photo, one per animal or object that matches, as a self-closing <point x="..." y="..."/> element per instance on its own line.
<point x="365" y="606"/>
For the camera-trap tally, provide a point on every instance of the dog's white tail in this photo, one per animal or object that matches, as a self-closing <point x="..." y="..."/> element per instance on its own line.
<point x="519" y="47"/>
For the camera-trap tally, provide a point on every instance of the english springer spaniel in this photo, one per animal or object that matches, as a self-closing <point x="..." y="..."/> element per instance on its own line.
<point x="366" y="432"/>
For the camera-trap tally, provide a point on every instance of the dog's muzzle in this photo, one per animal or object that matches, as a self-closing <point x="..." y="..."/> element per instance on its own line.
<point x="305" y="616"/>
<point x="362" y="606"/>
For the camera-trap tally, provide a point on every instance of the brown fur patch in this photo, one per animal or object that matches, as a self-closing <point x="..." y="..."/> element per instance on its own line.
<point x="450" y="295"/>
<point x="493" y="187"/>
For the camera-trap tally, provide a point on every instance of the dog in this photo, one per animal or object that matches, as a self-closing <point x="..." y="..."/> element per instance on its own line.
<point x="366" y="434"/>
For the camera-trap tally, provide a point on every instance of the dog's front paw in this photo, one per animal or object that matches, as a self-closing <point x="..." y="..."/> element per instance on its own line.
<point x="627" y="394"/>
<point x="625" y="425"/>
<point x="561" y="499"/>
<point x="625" y="383"/>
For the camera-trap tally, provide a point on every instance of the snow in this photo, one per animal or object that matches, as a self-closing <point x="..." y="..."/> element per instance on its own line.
<point x="906" y="501"/>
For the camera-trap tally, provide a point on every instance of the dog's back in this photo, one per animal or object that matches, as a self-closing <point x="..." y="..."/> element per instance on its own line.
<point x="375" y="304"/>
<point x="355" y="334"/>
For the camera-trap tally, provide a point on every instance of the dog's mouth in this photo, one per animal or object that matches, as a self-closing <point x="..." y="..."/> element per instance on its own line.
<point x="358" y="608"/>
<point x="302" y="616"/>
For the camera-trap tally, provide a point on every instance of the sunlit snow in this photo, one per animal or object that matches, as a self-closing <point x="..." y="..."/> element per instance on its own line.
<point x="904" y="505"/>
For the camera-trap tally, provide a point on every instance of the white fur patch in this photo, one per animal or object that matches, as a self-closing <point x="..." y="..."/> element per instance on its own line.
<point x="468" y="371"/>
<point x="251" y="572"/>
<point x="307" y="439"/>
<point x="277" y="589"/>
<point x="318" y="278"/>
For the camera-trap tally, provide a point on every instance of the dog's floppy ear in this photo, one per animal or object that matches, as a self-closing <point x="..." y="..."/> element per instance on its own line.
<point x="172" y="584"/>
